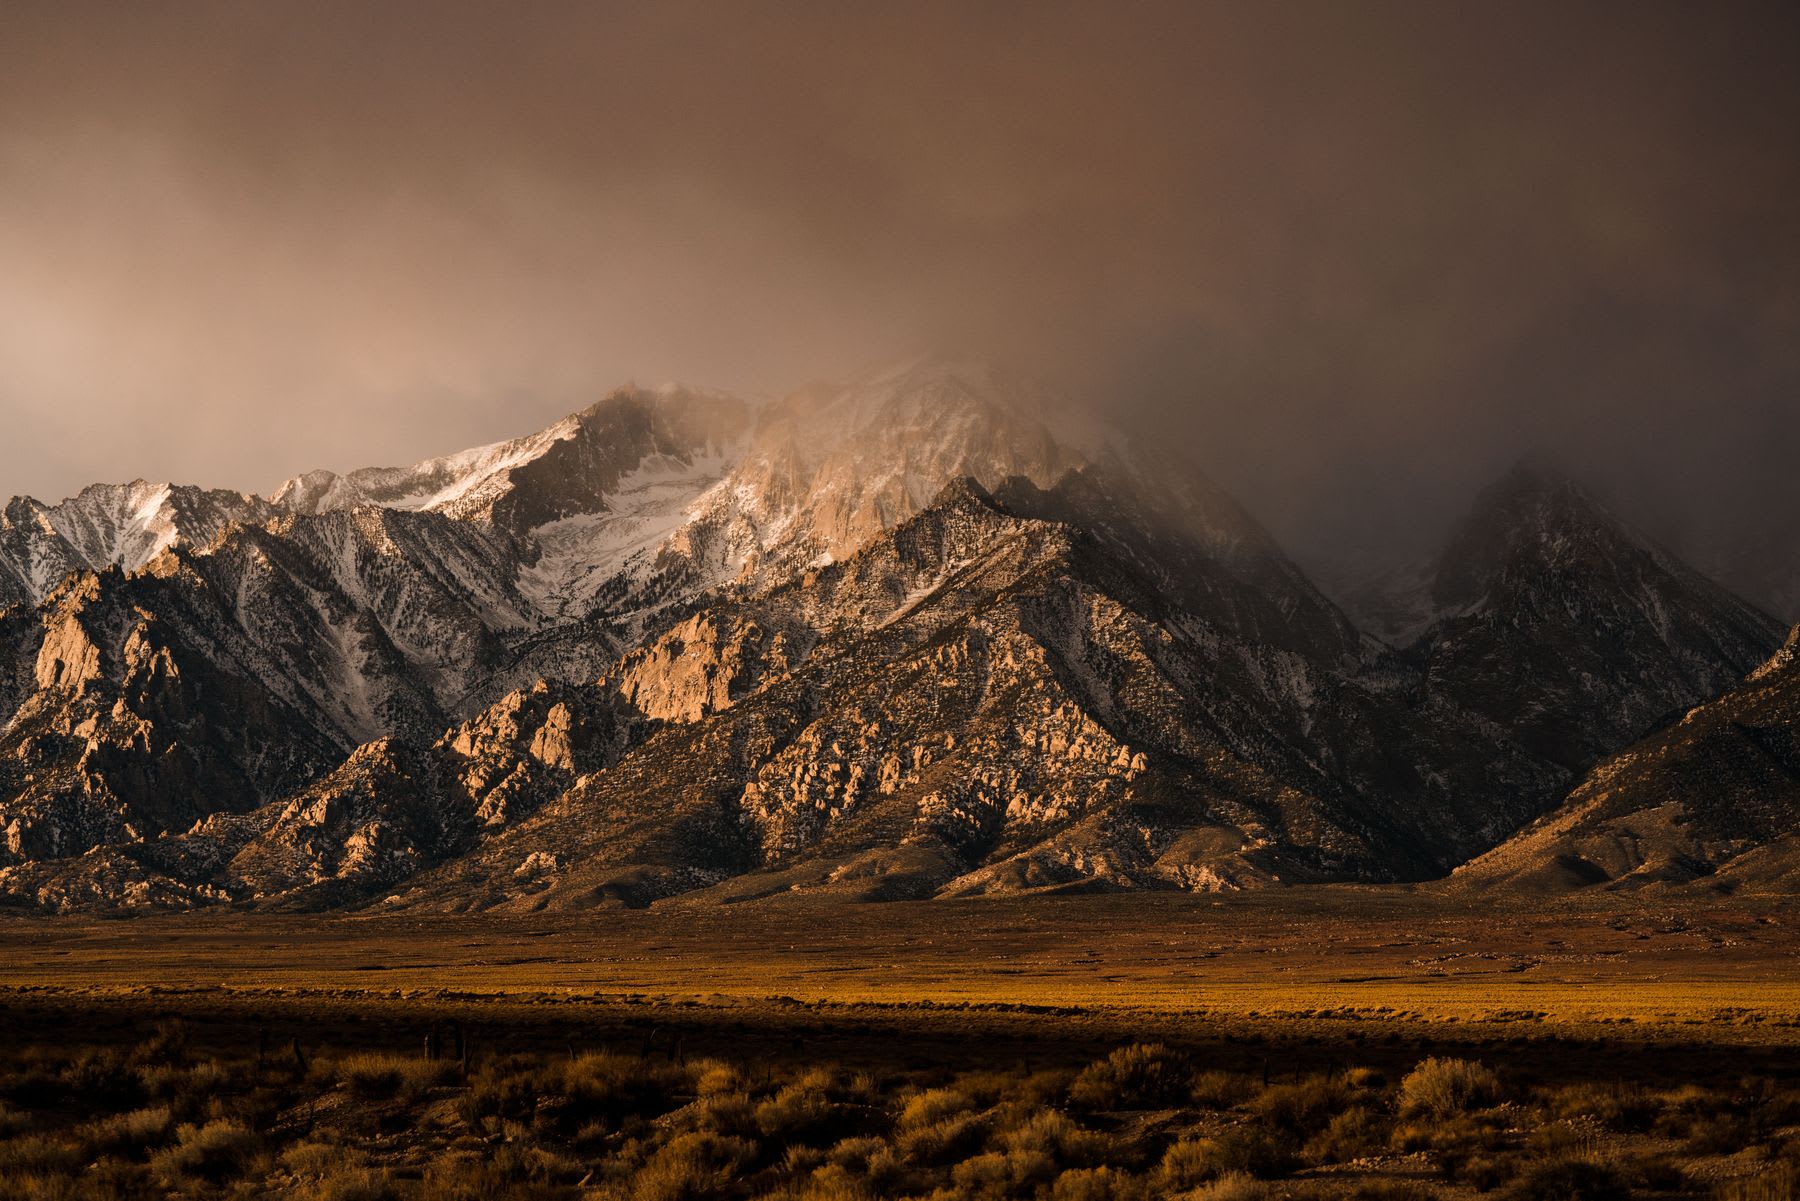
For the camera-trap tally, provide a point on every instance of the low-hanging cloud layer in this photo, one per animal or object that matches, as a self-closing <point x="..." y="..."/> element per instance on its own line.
<point x="1356" y="256"/>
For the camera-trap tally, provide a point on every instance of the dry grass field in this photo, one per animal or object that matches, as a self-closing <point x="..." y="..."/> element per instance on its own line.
<point x="1063" y="1048"/>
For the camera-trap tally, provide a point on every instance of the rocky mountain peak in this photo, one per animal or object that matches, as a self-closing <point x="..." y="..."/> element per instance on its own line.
<point x="1571" y="629"/>
<point x="108" y="525"/>
<point x="927" y="628"/>
<point x="1533" y="515"/>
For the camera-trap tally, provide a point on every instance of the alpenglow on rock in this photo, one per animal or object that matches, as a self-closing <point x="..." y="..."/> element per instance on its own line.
<point x="926" y="632"/>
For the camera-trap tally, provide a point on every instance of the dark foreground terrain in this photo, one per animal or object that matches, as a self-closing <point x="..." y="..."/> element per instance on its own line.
<point x="1117" y="1047"/>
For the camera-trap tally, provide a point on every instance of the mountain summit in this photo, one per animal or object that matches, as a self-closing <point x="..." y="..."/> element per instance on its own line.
<point x="927" y="631"/>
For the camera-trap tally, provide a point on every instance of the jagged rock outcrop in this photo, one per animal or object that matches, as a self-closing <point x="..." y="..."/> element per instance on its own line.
<point x="134" y="727"/>
<point x="980" y="700"/>
<point x="918" y="634"/>
<point x="388" y="811"/>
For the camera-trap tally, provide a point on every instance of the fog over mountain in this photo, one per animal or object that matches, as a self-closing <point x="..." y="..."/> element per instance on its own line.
<point x="1353" y="258"/>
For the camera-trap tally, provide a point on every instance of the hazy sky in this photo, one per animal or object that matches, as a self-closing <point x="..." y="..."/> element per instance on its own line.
<point x="1356" y="255"/>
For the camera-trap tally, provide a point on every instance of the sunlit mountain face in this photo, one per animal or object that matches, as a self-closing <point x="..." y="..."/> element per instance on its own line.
<point x="931" y="631"/>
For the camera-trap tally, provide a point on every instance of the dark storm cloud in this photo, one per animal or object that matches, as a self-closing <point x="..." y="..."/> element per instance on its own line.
<point x="1356" y="255"/>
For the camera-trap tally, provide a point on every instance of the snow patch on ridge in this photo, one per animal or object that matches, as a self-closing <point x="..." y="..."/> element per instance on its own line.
<point x="579" y="555"/>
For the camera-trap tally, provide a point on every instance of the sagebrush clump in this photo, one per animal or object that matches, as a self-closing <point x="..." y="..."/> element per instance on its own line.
<point x="1143" y="1122"/>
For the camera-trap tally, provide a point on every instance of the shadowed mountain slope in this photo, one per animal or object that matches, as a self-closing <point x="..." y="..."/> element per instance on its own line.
<point x="1714" y="796"/>
<point x="922" y="633"/>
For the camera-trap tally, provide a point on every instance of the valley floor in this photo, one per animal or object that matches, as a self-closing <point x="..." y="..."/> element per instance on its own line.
<point x="1659" y="1044"/>
<point x="1359" y="953"/>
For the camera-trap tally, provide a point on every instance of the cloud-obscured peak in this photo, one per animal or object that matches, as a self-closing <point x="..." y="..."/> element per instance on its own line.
<point x="1355" y="257"/>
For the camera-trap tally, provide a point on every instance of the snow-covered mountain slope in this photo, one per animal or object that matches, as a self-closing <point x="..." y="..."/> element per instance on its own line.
<point x="917" y="633"/>
<point x="652" y="497"/>
<point x="108" y="525"/>
<point x="574" y="464"/>
<point x="827" y="470"/>
<point x="589" y="502"/>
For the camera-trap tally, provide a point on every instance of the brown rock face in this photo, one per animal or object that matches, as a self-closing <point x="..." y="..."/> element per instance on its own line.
<point x="68" y="658"/>
<point x="703" y="665"/>
<point x="912" y="635"/>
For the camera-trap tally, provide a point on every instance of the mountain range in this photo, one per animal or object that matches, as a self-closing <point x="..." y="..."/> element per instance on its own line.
<point x="928" y="632"/>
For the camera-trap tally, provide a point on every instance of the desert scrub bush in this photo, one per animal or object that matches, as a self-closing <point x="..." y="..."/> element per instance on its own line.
<point x="1053" y="1133"/>
<point x="13" y="1121"/>
<point x="103" y="1080"/>
<point x="1185" y="1164"/>
<point x="1245" y="1150"/>
<point x="1723" y="1131"/>
<point x="1049" y="1086"/>
<point x="1472" y="1148"/>
<point x="1302" y="1109"/>
<point x="31" y="1086"/>
<point x="829" y="1183"/>
<point x="692" y="1166"/>
<point x="1097" y="1184"/>
<point x="731" y="1114"/>
<point x="933" y="1105"/>
<point x="130" y="1135"/>
<point x="1233" y="1186"/>
<point x="855" y="1153"/>
<point x="804" y="1112"/>
<point x="1481" y="1168"/>
<point x="372" y="1074"/>
<point x="1140" y="1076"/>
<point x="499" y="1090"/>
<point x="1656" y="1174"/>
<point x="167" y="1044"/>
<point x="345" y="1183"/>
<point x="713" y="1078"/>
<point x="1774" y="1104"/>
<point x="998" y="1175"/>
<point x="1446" y="1087"/>
<point x="215" y="1152"/>
<point x="34" y="1187"/>
<point x="41" y="1155"/>
<point x="311" y="1158"/>
<point x="944" y="1141"/>
<point x="1355" y="1133"/>
<point x="1562" y="1140"/>
<point x="988" y="1087"/>
<point x="505" y="1172"/>
<point x="869" y="1158"/>
<point x="1570" y="1180"/>
<point x="616" y="1085"/>
<point x="187" y="1088"/>
<point x="1220" y="1090"/>
<point x="1388" y="1190"/>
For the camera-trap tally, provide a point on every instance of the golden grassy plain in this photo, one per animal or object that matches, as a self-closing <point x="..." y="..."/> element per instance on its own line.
<point x="1655" y="1049"/>
<point x="1337" y="956"/>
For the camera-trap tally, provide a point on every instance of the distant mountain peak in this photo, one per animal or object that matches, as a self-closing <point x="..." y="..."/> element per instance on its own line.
<point x="1533" y="512"/>
<point x="935" y="623"/>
